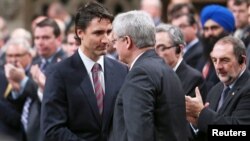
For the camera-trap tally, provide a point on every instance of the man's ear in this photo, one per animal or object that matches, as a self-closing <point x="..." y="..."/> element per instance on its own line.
<point x="80" y="33"/>
<point x="129" y="42"/>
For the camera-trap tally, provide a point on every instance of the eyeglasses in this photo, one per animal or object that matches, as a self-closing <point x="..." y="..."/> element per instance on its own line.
<point x="164" y="47"/>
<point x="19" y="55"/>
<point x="116" y="39"/>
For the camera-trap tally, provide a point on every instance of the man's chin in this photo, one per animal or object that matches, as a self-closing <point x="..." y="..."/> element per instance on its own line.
<point x="102" y="52"/>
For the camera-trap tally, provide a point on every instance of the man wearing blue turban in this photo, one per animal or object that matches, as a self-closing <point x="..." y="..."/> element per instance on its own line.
<point x="217" y="22"/>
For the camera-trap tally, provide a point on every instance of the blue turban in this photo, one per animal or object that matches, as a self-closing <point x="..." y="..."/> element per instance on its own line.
<point x="220" y="15"/>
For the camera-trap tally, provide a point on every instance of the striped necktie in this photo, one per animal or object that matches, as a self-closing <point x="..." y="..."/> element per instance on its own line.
<point x="99" y="93"/>
<point x="25" y="113"/>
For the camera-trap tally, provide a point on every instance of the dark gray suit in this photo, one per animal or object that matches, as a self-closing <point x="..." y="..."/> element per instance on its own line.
<point x="191" y="78"/>
<point x="235" y="109"/>
<point x="150" y="105"/>
<point x="69" y="106"/>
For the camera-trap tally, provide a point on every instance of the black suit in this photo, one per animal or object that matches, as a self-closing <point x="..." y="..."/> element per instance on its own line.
<point x="150" y="106"/>
<point x="234" y="111"/>
<point x="10" y="124"/>
<point x="194" y="54"/>
<point x="69" y="106"/>
<point x="191" y="78"/>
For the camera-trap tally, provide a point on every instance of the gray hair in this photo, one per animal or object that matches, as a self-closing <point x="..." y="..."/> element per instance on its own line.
<point x="174" y="33"/>
<point x="19" y="42"/>
<point x="239" y="48"/>
<point x="138" y="25"/>
<point x="22" y="33"/>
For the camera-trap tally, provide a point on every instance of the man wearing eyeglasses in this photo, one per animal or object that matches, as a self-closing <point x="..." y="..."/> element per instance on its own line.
<point x="18" y="87"/>
<point x="149" y="106"/>
<point x="217" y="22"/>
<point x="169" y="45"/>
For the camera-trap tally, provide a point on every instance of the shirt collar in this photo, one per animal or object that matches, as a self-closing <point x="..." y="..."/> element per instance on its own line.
<point x="178" y="64"/>
<point x="132" y="64"/>
<point x="190" y="45"/>
<point x="90" y="63"/>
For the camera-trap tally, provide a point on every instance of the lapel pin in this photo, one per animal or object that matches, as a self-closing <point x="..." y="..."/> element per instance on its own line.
<point x="233" y="94"/>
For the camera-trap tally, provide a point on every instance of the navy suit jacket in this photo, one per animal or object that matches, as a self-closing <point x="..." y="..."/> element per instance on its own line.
<point x="194" y="54"/>
<point x="69" y="106"/>
<point x="150" y="106"/>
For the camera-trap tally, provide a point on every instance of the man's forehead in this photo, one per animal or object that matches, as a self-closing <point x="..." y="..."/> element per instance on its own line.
<point x="211" y="22"/>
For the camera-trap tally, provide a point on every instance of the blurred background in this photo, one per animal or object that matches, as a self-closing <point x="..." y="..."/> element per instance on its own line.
<point x="20" y="13"/>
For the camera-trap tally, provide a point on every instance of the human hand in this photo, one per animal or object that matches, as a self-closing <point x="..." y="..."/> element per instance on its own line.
<point x="194" y="105"/>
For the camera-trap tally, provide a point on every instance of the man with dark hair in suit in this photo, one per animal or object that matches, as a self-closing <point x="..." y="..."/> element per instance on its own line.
<point x="48" y="41"/>
<point x="81" y="90"/>
<point x="150" y="105"/>
<point x="228" y="102"/>
<point x="192" y="52"/>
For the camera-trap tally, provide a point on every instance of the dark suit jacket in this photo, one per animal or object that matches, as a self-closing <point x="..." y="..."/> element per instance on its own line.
<point x="191" y="78"/>
<point x="150" y="106"/>
<point x="193" y="55"/>
<point x="69" y="106"/>
<point x="212" y="78"/>
<point x="60" y="55"/>
<point x="33" y="130"/>
<point x="10" y="124"/>
<point x="15" y="107"/>
<point x="234" y="111"/>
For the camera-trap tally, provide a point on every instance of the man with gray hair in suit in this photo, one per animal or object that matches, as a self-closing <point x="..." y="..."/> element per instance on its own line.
<point x="150" y="105"/>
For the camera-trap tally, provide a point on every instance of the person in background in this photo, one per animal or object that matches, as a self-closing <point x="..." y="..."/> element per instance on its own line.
<point x="228" y="102"/>
<point x="150" y="105"/>
<point x="72" y="44"/>
<point x="192" y="52"/>
<point x="87" y="79"/>
<point x="217" y="22"/>
<point x="169" y="46"/>
<point x="153" y="8"/>
<point x="4" y="36"/>
<point x="57" y="10"/>
<point x="21" y="90"/>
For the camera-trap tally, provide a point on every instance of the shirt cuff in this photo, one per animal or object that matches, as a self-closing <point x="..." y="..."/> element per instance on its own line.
<point x="16" y="94"/>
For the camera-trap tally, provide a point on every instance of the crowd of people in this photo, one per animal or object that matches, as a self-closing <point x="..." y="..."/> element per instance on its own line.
<point x="94" y="76"/>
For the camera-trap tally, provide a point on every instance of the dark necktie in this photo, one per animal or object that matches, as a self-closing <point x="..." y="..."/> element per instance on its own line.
<point x="98" y="87"/>
<point x="223" y="97"/>
<point x="43" y="65"/>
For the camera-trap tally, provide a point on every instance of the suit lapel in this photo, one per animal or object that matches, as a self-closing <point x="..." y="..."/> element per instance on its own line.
<point x="234" y="92"/>
<point x="109" y="97"/>
<point x="216" y="97"/>
<point x="86" y="86"/>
